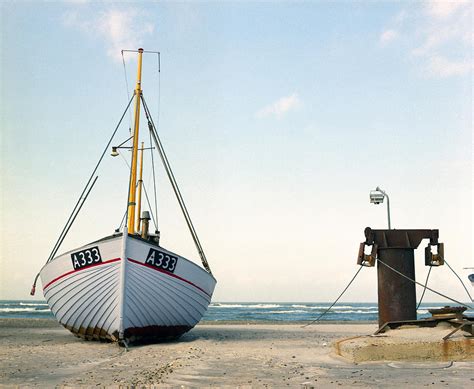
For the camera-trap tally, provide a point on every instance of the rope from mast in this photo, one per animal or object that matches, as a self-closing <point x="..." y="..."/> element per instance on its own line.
<point x="127" y="89"/>
<point x="82" y="198"/>
<point x="419" y="284"/>
<point x="155" y="221"/>
<point x="76" y="210"/>
<point x="154" y="186"/>
<point x="149" y="206"/>
<point x="424" y="288"/>
<point x="174" y="184"/>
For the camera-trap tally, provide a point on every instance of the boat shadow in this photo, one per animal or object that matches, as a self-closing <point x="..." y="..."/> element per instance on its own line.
<point x="219" y="333"/>
<point x="234" y="333"/>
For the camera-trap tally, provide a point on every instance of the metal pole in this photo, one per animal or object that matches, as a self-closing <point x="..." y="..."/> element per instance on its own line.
<point x="133" y="176"/>
<point x="396" y="295"/>
<point x="388" y="205"/>
<point x="395" y="252"/>
<point x="140" y="185"/>
<point x="388" y="212"/>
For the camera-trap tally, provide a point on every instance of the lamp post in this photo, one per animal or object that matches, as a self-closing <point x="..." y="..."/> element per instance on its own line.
<point x="376" y="197"/>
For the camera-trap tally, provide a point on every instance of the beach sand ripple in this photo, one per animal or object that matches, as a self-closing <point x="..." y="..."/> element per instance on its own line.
<point x="40" y="353"/>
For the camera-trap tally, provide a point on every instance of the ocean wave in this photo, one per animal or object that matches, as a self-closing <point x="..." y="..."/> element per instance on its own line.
<point x="337" y="307"/>
<point x="423" y="307"/>
<point x="355" y="311"/>
<point x="254" y="306"/>
<point x="345" y="308"/>
<point x="292" y="311"/>
<point x="300" y="306"/>
<point x="18" y="303"/>
<point x="12" y="310"/>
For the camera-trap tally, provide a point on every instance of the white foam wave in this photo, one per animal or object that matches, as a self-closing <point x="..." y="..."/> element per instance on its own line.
<point x="337" y="307"/>
<point x="292" y="311"/>
<point x="355" y="311"/>
<point x="254" y="306"/>
<point x="345" y="308"/>
<point x="22" y="310"/>
<point x="34" y="304"/>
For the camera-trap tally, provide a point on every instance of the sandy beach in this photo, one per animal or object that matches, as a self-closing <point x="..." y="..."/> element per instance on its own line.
<point x="40" y="353"/>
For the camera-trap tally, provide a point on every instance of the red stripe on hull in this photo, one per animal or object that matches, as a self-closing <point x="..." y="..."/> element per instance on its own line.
<point x="171" y="275"/>
<point x="75" y="271"/>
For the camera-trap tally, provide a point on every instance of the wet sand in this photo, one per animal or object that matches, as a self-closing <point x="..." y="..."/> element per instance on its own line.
<point x="40" y="353"/>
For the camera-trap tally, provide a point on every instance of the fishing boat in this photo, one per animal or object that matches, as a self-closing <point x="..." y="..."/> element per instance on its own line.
<point x="125" y="287"/>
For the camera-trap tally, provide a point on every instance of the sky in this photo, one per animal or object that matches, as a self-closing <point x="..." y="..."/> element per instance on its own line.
<point x="278" y="119"/>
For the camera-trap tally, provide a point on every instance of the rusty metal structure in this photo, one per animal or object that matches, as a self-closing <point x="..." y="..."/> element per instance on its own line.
<point x="453" y="316"/>
<point x="396" y="248"/>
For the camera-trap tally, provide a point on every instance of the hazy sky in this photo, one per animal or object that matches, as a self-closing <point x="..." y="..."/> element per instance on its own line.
<point x="278" y="119"/>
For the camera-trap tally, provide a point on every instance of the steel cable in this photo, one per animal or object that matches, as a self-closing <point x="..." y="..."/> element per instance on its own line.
<point x="127" y="88"/>
<point x="154" y="182"/>
<point x="424" y="288"/>
<point x="76" y="210"/>
<point x="334" y="303"/>
<point x="459" y="278"/>
<point x="417" y="283"/>
<point x="175" y="186"/>
<point x="149" y="206"/>
<point x="56" y="246"/>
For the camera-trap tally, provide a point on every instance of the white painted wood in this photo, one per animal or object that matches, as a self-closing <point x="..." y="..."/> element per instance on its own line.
<point x="124" y="298"/>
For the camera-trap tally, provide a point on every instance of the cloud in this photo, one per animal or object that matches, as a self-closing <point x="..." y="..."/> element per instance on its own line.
<point x="280" y="107"/>
<point x="437" y="36"/>
<point x="443" y="67"/>
<point x="117" y="28"/>
<point x="444" y="8"/>
<point x="388" y="36"/>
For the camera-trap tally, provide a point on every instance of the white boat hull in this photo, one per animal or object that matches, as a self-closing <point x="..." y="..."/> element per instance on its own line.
<point x="136" y="292"/>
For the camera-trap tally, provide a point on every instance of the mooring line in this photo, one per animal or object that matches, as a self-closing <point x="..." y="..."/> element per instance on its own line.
<point x="459" y="278"/>
<point x="424" y="288"/>
<point x="416" y="282"/>
<point x="334" y="303"/>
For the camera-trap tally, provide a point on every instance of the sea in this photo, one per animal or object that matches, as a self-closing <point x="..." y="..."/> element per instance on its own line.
<point x="244" y="311"/>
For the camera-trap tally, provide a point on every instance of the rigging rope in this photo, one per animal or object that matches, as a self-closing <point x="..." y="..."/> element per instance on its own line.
<point x="61" y="238"/>
<point x="159" y="92"/>
<point x="123" y="219"/>
<point x="424" y="288"/>
<point x="155" y="197"/>
<point x="149" y="206"/>
<point x="459" y="278"/>
<point x="125" y="160"/>
<point x="56" y="246"/>
<point x="154" y="182"/>
<point x="416" y="282"/>
<point x="174" y="184"/>
<point x="76" y="210"/>
<point x="127" y="88"/>
<point x="334" y="303"/>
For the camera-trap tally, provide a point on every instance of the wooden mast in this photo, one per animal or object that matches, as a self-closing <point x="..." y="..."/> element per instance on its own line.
<point x="133" y="175"/>
<point x="140" y="185"/>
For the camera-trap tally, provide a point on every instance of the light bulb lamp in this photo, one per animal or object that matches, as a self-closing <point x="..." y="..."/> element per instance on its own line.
<point x="376" y="197"/>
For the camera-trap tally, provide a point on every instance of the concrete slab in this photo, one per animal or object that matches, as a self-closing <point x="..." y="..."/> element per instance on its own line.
<point x="408" y="343"/>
